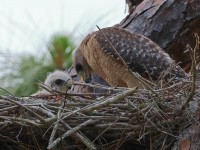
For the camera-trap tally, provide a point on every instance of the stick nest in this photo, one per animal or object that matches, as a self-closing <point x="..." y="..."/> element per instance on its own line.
<point x="128" y="117"/>
<point x="119" y="118"/>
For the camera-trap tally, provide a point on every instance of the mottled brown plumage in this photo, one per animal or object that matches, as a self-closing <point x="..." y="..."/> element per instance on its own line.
<point x="142" y="55"/>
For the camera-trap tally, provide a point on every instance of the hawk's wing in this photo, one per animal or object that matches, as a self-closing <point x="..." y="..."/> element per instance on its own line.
<point x="140" y="53"/>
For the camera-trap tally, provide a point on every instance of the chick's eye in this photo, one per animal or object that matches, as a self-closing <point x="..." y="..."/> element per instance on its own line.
<point x="79" y="67"/>
<point x="74" y="76"/>
<point x="59" y="81"/>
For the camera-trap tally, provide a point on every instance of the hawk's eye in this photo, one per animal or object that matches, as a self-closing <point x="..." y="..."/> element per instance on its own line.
<point x="59" y="81"/>
<point x="79" y="68"/>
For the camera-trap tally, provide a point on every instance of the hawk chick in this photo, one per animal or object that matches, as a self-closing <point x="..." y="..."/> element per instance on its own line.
<point x="96" y="54"/>
<point x="57" y="80"/>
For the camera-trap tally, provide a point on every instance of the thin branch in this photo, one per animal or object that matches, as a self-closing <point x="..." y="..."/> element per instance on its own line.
<point x="26" y="108"/>
<point x="117" y="89"/>
<point x="69" y="132"/>
<point x="53" y="133"/>
<point x="52" y="91"/>
<point x="108" y="101"/>
<point x="193" y="71"/>
<point x="27" y="121"/>
<point x="83" y="139"/>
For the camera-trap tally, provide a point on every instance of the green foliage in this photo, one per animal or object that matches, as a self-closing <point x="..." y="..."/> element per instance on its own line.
<point x="30" y="71"/>
<point x="23" y="73"/>
<point x="61" y="48"/>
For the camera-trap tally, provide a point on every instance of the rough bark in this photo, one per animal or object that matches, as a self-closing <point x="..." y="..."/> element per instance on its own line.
<point x="169" y="23"/>
<point x="189" y="139"/>
<point x="132" y="4"/>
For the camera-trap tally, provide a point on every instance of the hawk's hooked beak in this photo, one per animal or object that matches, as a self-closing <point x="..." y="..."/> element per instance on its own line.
<point x="87" y="77"/>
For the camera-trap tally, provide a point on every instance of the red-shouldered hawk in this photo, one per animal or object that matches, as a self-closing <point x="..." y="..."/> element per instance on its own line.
<point x="96" y="54"/>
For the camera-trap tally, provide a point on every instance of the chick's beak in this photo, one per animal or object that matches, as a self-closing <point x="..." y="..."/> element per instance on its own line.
<point x="68" y="84"/>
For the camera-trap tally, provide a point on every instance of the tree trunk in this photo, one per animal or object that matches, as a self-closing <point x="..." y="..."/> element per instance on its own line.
<point x="169" y="23"/>
<point x="132" y="4"/>
<point x="172" y="25"/>
<point x="189" y="139"/>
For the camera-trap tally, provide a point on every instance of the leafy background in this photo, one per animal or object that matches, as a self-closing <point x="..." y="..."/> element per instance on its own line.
<point x="36" y="38"/>
<point x="21" y="74"/>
